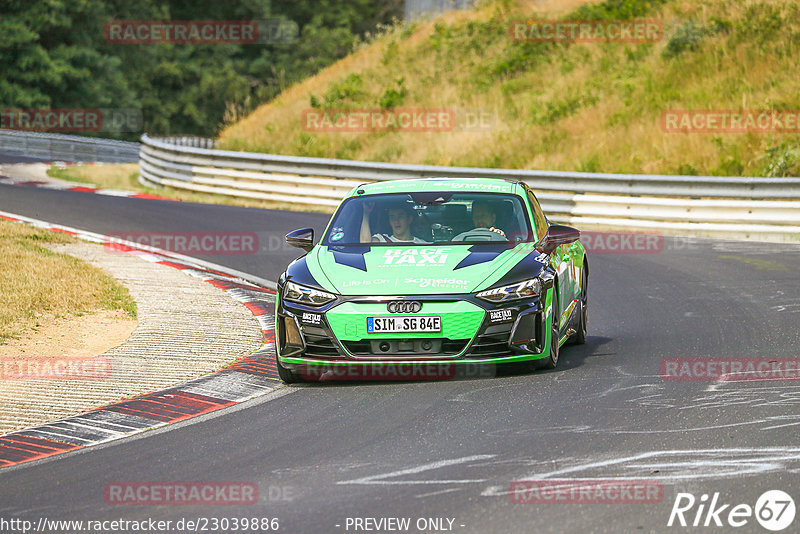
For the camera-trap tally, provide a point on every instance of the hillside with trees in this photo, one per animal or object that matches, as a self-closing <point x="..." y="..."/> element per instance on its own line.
<point x="54" y="55"/>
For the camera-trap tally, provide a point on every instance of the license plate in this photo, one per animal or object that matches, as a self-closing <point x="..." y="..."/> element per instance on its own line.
<point x="412" y="323"/>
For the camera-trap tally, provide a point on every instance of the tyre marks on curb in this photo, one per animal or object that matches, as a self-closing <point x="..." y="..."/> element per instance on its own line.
<point x="18" y="448"/>
<point x="170" y="406"/>
<point x="244" y="379"/>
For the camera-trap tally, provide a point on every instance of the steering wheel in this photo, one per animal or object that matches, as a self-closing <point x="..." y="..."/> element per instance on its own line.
<point x="479" y="234"/>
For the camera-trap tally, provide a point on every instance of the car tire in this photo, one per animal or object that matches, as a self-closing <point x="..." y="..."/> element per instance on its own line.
<point x="287" y="375"/>
<point x="579" y="338"/>
<point x="551" y="361"/>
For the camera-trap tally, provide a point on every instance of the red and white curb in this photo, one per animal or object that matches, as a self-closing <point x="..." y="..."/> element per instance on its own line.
<point x="81" y="189"/>
<point x="247" y="378"/>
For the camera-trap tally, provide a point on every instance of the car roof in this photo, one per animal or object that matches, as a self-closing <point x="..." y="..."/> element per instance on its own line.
<point x="472" y="185"/>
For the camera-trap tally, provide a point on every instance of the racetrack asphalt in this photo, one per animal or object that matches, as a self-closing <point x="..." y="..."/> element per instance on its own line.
<point x="324" y="453"/>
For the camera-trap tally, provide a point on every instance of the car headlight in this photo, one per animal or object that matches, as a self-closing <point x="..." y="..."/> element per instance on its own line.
<point x="306" y="295"/>
<point x="520" y="290"/>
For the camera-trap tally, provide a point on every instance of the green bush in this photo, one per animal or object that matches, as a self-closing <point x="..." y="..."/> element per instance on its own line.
<point x="729" y="166"/>
<point x="559" y="109"/>
<point x="782" y="160"/>
<point x="687" y="36"/>
<point x="391" y="53"/>
<point x="393" y="97"/>
<point x="761" y="23"/>
<point x="517" y="57"/>
<point x="615" y="10"/>
<point x="340" y="93"/>
<point x="590" y="164"/>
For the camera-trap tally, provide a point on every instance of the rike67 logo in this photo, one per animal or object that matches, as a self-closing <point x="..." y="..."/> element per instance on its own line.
<point x="774" y="510"/>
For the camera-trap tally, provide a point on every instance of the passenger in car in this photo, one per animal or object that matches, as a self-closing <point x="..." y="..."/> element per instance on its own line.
<point x="401" y="216"/>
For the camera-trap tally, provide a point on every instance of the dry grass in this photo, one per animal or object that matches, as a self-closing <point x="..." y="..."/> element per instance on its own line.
<point x="125" y="176"/>
<point x="108" y="176"/>
<point x="593" y="107"/>
<point x="37" y="282"/>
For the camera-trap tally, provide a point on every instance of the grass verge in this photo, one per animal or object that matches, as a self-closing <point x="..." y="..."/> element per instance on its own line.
<point x="38" y="282"/>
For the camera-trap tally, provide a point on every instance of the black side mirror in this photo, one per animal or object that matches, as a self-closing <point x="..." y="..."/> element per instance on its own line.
<point x="557" y="235"/>
<point x="302" y="238"/>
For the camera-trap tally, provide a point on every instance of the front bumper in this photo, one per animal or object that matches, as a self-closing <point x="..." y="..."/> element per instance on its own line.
<point x="473" y="332"/>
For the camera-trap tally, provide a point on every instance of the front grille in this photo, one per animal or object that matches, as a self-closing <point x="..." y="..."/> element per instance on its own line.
<point x="320" y="347"/>
<point x="406" y="347"/>
<point x="492" y="342"/>
<point x="490" y="346"/>
<point x="318" y="344"/>
<point x="359" y="348"/>
<point x="454" y="347"/>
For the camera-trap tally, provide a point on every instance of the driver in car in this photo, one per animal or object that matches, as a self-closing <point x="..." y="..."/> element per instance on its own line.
<point x="401" y="216"/>
<point x="484" y="216"/>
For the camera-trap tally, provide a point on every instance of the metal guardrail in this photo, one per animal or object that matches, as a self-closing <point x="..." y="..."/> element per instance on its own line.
<point x="713" y="206"/>
<point x="184" y="160"/>
<point x="416" y="8"/>
<point x="58" y="147"/>
<point x="190" y="141"/>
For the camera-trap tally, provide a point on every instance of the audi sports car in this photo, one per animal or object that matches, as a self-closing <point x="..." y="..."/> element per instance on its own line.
<point x="432" y="271"/>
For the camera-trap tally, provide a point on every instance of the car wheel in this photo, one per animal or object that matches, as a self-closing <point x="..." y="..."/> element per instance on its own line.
<point x="552" y="359"/>
<point x="287" y="375"/>
<point x="579" y="338"/>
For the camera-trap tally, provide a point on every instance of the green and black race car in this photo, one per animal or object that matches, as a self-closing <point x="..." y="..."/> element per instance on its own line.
<point x="429" y="273"/>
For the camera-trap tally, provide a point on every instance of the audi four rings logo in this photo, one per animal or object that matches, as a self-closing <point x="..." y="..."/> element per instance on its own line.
<point x="404" y="306"/>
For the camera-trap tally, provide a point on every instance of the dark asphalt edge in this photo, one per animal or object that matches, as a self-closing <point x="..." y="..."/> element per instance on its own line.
<point x="246" y="379"/>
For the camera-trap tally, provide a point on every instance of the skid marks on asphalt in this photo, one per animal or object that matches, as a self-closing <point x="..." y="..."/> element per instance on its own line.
<point x="490" y="475"/>
<point x="667" y="466"/>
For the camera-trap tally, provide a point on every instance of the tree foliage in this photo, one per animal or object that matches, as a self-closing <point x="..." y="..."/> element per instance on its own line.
<point x="53" y="54"/>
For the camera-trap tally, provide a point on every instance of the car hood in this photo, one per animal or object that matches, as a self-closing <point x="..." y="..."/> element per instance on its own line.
<point x="419" y="269"/>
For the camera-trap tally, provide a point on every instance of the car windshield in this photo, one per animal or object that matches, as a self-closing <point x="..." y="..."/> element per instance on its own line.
<point x="429" y="217"/>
